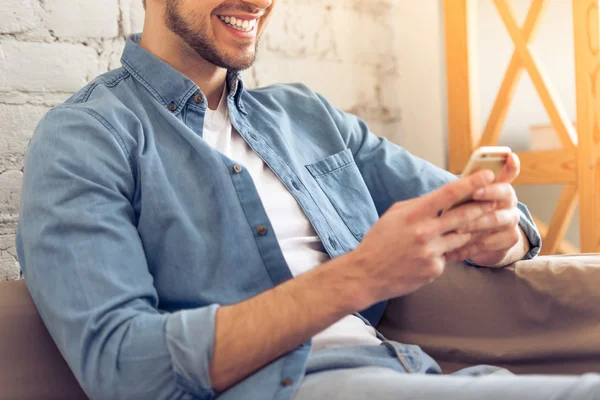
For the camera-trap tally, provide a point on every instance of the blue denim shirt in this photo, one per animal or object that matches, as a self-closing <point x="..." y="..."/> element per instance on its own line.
<point x="133" y="230"/>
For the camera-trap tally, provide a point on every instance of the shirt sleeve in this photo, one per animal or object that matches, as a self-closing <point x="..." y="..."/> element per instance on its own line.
<point x="393" y="174"/>
<point x="84" y="264"/>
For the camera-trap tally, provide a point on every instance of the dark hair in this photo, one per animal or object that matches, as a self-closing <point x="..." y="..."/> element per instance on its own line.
<point x="144" y="3"/>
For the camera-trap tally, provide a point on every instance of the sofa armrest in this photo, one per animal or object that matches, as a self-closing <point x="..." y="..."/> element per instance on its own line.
<point x="31" y="366"/>
<point x="536" y="316"/>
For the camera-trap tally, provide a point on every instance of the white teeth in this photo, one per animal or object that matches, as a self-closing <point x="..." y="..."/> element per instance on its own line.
<point x="239" y="24"/>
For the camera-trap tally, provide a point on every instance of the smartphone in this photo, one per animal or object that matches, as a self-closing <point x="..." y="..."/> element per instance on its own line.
<point x="488" y="157"/>
<point x="492" y="158"/>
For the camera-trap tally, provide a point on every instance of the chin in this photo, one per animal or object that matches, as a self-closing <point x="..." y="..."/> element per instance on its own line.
<point x="239" y="63"/>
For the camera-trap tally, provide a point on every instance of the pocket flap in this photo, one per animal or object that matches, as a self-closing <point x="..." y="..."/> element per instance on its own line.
<point x="331" y="163"/>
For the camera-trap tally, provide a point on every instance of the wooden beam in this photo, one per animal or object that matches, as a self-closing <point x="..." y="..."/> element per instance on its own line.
<point x="557" y="114"/>
<point x="461" y="61"/>
<point x="565" y="247"/>
<point x="586" y="25"/>
<point x="548" y="167"/>
<point x="560" y="220"/>
<point x="493" y="127"/>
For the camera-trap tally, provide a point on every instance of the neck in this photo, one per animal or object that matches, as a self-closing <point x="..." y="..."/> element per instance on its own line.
<point x="170" y="48"/>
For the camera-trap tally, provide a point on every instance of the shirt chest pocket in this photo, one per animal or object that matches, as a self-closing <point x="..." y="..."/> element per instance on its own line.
<point x="341" y="181"/>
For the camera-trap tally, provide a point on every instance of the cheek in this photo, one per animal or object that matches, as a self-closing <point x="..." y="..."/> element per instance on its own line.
<point x="197" y="14"/>
<point x="263" y="22"/>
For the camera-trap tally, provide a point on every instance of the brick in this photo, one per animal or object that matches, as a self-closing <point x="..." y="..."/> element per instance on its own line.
<point x="133" y="14"/>
<point x="19" y="15"/>
<point x="10" y="193"/>
<point x="59" y="67"/>
<point x="7" y="244"/>
<point x="18" y="123"/>
<point x="9" y="268"/>
<point x="8" y="223"/>
<point x="110" y="54"/>
<point x="82" y="19"/>
<point x="46" y="99"/>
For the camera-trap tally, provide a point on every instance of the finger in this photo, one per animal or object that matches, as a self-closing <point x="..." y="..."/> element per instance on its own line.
<point x="503" y="193"/>
<point x="455" y="256"/>
<point x="511" y="169"/>
<point x="468" y="251"/>
<point x="466" y="214"/>
<point x="453" y="193"/>
<point x="496" y="242"/>
<point x="493" y="221"/>
<point x="453" y="241"/>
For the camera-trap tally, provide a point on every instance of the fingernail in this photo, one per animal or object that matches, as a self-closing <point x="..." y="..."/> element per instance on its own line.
<point x="479" y="192"/>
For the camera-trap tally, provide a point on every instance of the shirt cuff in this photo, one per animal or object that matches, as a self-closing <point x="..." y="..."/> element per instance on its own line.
<point x="531" y="231"/>
<point x="190" y="340"/>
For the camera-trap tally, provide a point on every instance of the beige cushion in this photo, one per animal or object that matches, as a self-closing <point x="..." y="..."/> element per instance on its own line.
<point x="539" y="316"/>
<point x="31" y="366"/>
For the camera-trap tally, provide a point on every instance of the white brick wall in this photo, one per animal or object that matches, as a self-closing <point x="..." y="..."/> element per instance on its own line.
<point x="19" y="16"/>
<point x="81" y="19"/>
<point x="51" y="48"/>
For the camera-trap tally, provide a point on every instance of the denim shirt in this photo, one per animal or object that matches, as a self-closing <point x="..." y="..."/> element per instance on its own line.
<point x="133" y="230"/>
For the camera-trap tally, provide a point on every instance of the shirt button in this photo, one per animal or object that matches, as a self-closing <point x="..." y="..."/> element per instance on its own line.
<point x="333" y="244"/>
<point x="261" y="230"/>
<point x="295" y="185"/>
<point x="237" y="168"/>
<point x="198" y="98"/>
<point x="172" y="106"/>
<point x="287" y="382"/>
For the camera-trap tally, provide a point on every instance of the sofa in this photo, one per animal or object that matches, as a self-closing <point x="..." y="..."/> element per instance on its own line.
<point x="537" y="316"/>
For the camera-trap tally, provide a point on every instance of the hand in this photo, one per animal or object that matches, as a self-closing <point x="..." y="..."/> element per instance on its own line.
<point x="406" y="248"/>
<point x="497" y="238"/>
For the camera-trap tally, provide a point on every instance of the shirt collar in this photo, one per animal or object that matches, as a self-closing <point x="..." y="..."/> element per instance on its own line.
<point x="165" y="83"/>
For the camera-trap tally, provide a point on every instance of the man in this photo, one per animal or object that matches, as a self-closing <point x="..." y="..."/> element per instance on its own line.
<point x="166" y="209"/>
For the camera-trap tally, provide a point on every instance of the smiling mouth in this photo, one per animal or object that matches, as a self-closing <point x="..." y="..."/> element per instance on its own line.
<point x="239" y="24"/>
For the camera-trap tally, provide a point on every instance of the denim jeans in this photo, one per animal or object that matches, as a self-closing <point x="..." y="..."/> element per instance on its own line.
<point x="394" y="371"/>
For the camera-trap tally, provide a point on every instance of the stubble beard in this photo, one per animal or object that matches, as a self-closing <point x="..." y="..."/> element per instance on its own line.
<point x="198" y="41"/>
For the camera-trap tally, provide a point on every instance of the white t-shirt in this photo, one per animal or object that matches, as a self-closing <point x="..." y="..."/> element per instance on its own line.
<point x="301" y="247"/>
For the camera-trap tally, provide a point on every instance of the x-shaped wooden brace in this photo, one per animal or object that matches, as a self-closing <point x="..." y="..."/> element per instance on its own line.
<point x="524" y="58"/>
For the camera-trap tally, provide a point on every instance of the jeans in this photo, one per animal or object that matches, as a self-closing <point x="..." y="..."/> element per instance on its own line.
<point x="393" y="371"/>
